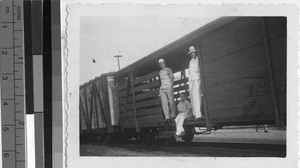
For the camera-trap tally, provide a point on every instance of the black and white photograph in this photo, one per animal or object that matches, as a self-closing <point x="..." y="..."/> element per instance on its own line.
<point x="171" y="84"/>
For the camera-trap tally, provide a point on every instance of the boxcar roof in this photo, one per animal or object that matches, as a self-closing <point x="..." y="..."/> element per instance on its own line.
<point x="174" y="53"/>
<point x="98" y="78"/>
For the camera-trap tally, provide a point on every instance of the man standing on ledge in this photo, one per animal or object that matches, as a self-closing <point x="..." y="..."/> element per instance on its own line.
<point x="166" y="90"/>
<point x="194" y="82"/>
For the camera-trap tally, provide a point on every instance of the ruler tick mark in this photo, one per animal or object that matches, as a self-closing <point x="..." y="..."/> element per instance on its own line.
<point x="8" y="124"/>
<point x="9" y="150"/>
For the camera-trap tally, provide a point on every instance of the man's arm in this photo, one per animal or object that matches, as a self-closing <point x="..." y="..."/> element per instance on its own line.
<point x="171" y="75"/>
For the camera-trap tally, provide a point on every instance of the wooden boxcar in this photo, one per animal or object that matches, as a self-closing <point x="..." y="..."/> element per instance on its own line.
<point x="243" y="72"/>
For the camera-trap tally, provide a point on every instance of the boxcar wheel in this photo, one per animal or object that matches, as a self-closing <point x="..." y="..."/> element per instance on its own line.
<point x="189" y="134"/>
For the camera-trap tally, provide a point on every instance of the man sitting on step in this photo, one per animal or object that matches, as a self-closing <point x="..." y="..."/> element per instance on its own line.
<point x="185" y="111"/>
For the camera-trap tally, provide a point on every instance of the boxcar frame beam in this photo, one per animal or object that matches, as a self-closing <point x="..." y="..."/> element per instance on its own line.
<point x="271" y="71"/>
<point x="206" y="113"/>
<point x="134" y="104"/>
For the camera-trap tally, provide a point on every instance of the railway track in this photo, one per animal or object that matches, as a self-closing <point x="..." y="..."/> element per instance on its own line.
<point x="200" y="149"/>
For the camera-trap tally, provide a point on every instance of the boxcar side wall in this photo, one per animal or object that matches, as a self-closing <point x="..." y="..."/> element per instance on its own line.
<point x="236" y="73"/>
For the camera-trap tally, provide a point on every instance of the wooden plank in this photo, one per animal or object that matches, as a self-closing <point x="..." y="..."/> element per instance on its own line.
<point x="236" y="69"/>
<point x="219" y="103"/>
<point x="143" y="104"/>
<point x="141" y="88"/>
<point x="237" y="84"/>
<point x="180" y="88"/>
<point x="180" y="81"/>
<point x="258" y="72"/>
<point x="228" y="29"/>
<point x="233" y="43"/>
<point x="250" y="91"/>
<point x="145" y="112"/>
<point x="238" y="102"/>
<point x="178" y="95"/>
<point x="251" y="56"/>
<point x="242" y="113"/>
<point x="146" y="95"/>
<point x="146" y="77"/>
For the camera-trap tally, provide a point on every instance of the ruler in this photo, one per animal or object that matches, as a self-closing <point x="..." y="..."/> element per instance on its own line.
<point x="12" y="85"/>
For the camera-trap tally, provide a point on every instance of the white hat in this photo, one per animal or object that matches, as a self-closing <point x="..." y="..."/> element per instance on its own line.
<point x="191" y="49"/>
<point x="161" y="61"/>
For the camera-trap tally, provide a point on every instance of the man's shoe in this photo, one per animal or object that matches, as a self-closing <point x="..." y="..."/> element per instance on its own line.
<point x="176" y="136"/>
<point x="167" y="120"/>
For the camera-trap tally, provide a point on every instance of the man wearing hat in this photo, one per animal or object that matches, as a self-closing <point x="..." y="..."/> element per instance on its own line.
<point x="166" y="90"/>
<point x="194" y="82"/>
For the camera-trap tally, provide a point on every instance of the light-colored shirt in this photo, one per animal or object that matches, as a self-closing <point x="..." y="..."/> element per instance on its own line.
<point x="166" y="77"/>
<point x="194" y="69"/>
<point x="184" y="106"/>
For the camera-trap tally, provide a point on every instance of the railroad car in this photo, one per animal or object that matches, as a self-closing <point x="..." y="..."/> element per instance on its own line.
<point x="243" y="75"/>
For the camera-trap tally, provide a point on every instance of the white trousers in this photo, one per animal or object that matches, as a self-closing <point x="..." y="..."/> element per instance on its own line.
<point x="195" y="95"/>
<point x="167" y="98"/>
<point x="179" y="120"/>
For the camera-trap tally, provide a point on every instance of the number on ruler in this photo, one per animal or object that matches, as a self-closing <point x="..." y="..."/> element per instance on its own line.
<point x="6" y="154"/>
<point x="4" y="26"/>
<point x="4" y="52"/>
<point x="5" y="129"/>
<point x="4" y="77"/>
<point x="5" y="103"/>
<point x="7" y="9"/>
<point x="21" y="122"/>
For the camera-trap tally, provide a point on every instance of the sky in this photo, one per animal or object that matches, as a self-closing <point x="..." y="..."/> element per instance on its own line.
<point x="133" y="34"/>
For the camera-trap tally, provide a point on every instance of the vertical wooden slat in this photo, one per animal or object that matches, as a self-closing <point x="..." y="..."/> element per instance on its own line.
<point x="101" y="108"/>
<point x="94" y="97"/>
<point x="87" y="108"/>
<point x="124" y="112"/>
<point x="271" y="72"/>
<point x="82" y="109"/>
<point x="91" y="105"/>
<point x="206" y="113"/>
<point x="134" y="105"/>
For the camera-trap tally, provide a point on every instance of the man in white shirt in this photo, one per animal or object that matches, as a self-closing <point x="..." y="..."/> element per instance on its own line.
<point x="194" y="82"/>
<point x="166" y="90"/>
<point x="185" y="111"/>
